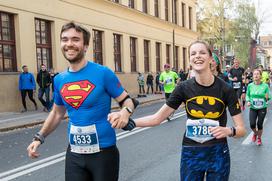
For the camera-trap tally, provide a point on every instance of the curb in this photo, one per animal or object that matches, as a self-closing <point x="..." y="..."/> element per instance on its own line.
<point x="39" y="122"/>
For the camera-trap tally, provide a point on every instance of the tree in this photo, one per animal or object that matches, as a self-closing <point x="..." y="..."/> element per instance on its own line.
<point x="222" y="22"/>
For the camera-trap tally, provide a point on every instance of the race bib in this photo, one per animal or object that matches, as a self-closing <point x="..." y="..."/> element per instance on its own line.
<point x="168" y="81"/>
<point x="236" y="85"/>
<point x="198" y="130"/>
<point x="258" y="103"/>
<point x="83" y="139"/>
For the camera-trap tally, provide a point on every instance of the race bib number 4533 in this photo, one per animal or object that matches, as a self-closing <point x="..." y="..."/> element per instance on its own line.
<point x="83" y="139"/>
<point x="199" y="129"/>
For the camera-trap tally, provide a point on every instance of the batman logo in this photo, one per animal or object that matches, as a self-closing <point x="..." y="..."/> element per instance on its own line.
<point x="75" y="93"/>
<point x="205" y="107"/>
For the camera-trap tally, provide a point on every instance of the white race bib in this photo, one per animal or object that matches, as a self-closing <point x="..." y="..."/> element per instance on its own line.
<point x="198" y="129"/>
<point x="236" y="85"/>
<point x="168" y="81"/>
<point x="84" y="139"/>
<point x="258" y="103"/>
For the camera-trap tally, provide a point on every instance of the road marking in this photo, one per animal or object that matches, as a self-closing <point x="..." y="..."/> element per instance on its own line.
<point x="23" y="170"/>
<point x="247" y="141"/>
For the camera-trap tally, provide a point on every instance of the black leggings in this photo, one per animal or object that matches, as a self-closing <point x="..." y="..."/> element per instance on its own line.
<point x="254" y="114"/>
<point x="30" y="95"/>
<point x="102" y="166"/>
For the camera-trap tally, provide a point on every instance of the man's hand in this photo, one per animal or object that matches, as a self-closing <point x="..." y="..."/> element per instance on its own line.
<point x="32" y="149"/>
<point x="118" y="119"/>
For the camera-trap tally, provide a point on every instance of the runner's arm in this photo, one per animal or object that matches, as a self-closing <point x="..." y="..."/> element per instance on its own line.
<point x="53" y="120"/>
<point x="155" y="119"/>
<point x="239" y="125"/>
<point x="50" y="124"/>
<point x="120" y="119"/>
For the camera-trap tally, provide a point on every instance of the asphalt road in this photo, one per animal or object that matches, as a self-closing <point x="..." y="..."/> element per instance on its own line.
<point x="151" y="154"/>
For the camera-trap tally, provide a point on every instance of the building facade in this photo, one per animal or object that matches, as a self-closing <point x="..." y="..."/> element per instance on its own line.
<point x="266" y="43"/>
<point x="128" y="36"/>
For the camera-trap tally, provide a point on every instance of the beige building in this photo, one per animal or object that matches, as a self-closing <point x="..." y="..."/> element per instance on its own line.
<point x="129" y="36"/>
<point x="266" y="43"/>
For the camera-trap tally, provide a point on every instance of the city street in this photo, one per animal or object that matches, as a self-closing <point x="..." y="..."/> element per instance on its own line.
<point x="147" y="154"/>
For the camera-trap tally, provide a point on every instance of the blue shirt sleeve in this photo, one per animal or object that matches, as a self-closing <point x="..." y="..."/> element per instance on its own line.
<point x="112" y="83"/>
<point x="57" y="96"/>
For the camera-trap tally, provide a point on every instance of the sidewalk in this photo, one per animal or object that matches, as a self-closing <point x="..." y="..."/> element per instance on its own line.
<point x="15" y="120"/>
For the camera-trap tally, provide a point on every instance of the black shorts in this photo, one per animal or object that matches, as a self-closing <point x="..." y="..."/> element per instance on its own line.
<point x="102" y="166"/>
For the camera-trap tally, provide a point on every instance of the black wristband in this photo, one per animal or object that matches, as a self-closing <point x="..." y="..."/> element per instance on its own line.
<point x="233" y="131"/>
<point x="38" y="137"/>
<point x="130" y="125"/>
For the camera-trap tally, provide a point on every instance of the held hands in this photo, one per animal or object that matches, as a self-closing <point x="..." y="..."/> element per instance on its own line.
<point x="220" y="132"/>
<point x="32" y="149"/>
<point x="118" y="119"/>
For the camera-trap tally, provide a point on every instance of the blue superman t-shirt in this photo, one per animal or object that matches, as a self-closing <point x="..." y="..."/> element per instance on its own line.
<point x="86" y="95"/>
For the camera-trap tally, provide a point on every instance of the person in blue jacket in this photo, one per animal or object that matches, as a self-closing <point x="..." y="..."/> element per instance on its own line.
<point x="27" y="85"/>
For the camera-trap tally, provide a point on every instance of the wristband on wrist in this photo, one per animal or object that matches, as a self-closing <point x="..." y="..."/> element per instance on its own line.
<point x="38" y="137"/>
<point x="233" y="132"/>
<point x="129" y="110"/>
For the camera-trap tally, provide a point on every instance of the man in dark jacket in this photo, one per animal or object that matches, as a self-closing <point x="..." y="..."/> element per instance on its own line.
<point x="26" y="86"/>
<point x="44" y="81"/>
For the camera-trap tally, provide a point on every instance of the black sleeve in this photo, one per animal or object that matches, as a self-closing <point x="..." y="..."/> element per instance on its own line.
<point x="176" y="97"/>
<point x="232" y="101"/>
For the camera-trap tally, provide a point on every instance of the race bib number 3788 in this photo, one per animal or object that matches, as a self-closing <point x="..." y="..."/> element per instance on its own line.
<point x="199" y="129"/>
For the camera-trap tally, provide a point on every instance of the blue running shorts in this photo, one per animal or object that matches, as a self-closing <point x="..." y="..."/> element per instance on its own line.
<point x="214" y="160"/>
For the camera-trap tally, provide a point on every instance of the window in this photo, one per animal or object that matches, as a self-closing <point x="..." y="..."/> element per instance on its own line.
<point x="190" y="18"/>
<point x="43" y="43"/>
<point x="156" y="7"/>
<point x="158" y="57"/>
<point x="145" y="6"/>
<point x="146" y="55"/>
<point x="97" y="47"/>
<point x="117" y="52"/>
<point x="131" y="4"/>
<point x="184" y="51"/>
<point x="166" y="10"/>
<point x="183" y="14"/>
<point x="176" y="62"/>
<point x="133" y="54"/>
<point x="168" y="53"/>
<point x="175" y="16"/>
<point x="7" y="43"/>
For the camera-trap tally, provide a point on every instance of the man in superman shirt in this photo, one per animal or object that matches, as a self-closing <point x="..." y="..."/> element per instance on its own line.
<point x="85" y="90"/>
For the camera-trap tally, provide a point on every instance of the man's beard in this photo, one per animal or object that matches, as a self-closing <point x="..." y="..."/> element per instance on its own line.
<point x="76" y="59"/>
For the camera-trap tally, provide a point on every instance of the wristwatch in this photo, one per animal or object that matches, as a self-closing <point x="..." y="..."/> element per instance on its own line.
<point x="129" y="110"/>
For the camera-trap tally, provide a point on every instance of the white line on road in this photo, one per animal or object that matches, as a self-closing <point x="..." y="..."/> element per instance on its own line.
<point x="23" y="170"/>
<point x="247" y="141"/>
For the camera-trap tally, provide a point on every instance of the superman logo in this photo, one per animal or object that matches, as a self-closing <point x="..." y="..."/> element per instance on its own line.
<point x="75" y="93"/>
<point x="205" y="107"/>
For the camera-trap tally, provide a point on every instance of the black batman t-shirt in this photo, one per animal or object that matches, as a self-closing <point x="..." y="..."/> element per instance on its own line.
<point x="209" y="102"/>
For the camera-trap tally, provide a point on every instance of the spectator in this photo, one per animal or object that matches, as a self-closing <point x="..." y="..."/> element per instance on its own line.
<point x="140" y="80"/>
<point x="52" y="76"/>
<point x="149" y="82"/>
<point x="182" y="75"/>
<point x="44" y="81"/>
<point x="27" y="85"/>
<point x="158" y="85"/>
